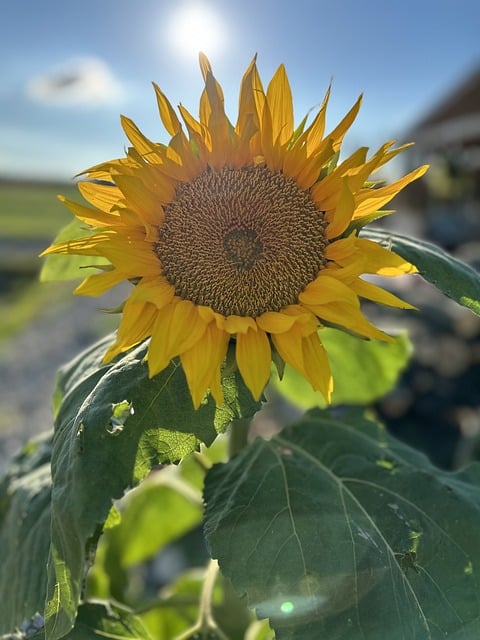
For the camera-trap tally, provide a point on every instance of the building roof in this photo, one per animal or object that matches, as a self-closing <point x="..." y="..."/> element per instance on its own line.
<point x="455" y="120"/>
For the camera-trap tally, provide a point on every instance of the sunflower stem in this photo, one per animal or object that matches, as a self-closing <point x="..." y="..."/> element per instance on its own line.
<point x="238" y="437"/>
<point x="206" y="617"/>
<point x="205" y="626"/>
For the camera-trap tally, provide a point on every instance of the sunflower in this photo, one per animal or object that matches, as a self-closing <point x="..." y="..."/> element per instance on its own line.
<point x="242" y="234"/>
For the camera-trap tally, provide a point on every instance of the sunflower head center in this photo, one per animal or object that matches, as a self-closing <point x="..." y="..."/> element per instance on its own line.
<point x="242" y="247"/>
<point x="241" y="240"/>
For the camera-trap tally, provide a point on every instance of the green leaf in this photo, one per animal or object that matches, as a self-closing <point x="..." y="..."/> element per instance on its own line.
<point x="24" y="534"/>
<point x="97" y="457"/>
<point x="453" y="277"/>
<point x="79" y="376"/>
<point x="159" y="511"/>
<point x="69" y="267"/>
<point x="334" y="529"/>
<point x="177" y="606"/>
<point x="363" y="370"/>
<point x="100" y="620"/>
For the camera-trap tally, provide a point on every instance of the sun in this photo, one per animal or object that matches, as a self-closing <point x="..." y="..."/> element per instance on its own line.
<point x="195" y="28"/>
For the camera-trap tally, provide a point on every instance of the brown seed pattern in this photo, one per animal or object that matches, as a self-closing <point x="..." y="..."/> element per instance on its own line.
<point x="241" y="241"/>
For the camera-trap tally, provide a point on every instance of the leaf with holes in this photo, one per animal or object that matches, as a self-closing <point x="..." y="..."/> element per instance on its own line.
<point x="334" y="529"/>
<point x="113" y="424"/>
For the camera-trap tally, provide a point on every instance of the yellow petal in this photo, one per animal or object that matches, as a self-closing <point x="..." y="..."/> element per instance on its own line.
<point x="317" y="128"/>
<point x="289" y="348"/>
<point x="105" y="170"/>
<point x="177" y="328"/>
<point x="305" y="321"/>
<point x="251" y="100"/>
<point x="306" y="354"/>
<point x="199" y="134"/>
<point x="135" y="259"/>
<point x="346" y="274"/>
<point x="309" y="173"/>
<point x="317" y="366"/>
<point x="279" y="98"/>
<point x="341" y="251"/>
<point x="218" y="124"/>
<point x="238" y="324"/>
<point x="369" y="200"/>
<point x="371" y="292"/>
<point x="268" y="147"/>
<point x="325" y="289"/>
<point x="382" y="261"/>
<point x="145" y="203"/>
<point x="209" y="315"/>
<point x="191" y="165"/>
<point x="89" y="246"/>
<point x="102" y="196"/>
<point x="136" y="325"/>
<point x="349" y="317"/>
<point x="341" y="129"/>
<point x="98" y="283"/>
<point x="155" y="290"/>
<point x="141" y="143"/>
<point x="326" y="192"/>
<point x="275" y="322"/>
<point x="92" y="217"/>
<point x="215" y="386"/>
<point x="343" y="212"/>
<point x="132" y="221"/>
<point x="253" y="356"/>
<point x="202" y="362"/>
<point x="205" y="66"/>
<point x="384" y="154"/>
<point x="167" y="114"/>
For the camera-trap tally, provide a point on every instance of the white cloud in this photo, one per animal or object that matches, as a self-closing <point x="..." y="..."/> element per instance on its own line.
<point x="77" y="82"/>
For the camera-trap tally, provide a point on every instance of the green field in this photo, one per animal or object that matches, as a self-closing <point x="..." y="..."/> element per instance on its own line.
<point x="32" y="210"/>
<point x="30" y="217"/>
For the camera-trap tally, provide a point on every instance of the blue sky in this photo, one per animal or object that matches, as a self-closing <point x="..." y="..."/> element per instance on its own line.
<point x="68" y="69"/>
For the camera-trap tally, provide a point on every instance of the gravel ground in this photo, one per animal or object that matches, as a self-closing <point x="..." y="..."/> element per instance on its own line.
<point x="30" y="359"/>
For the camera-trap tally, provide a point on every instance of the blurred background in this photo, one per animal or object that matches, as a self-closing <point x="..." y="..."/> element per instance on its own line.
<point x="70" y="69"/>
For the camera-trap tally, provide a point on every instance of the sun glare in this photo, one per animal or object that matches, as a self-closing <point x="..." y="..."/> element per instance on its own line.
<point x="196" y="28"/>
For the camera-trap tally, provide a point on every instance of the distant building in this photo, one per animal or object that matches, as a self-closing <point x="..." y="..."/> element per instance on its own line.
<point x="448" y="138"/>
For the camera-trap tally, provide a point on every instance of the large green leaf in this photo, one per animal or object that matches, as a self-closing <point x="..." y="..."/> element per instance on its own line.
<point x="363" y="370"/>
<point x="24" y="534"/>
<point x="453" y="277"/>
<point x="113" y="424"/>
<point x="336" y="530"/>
